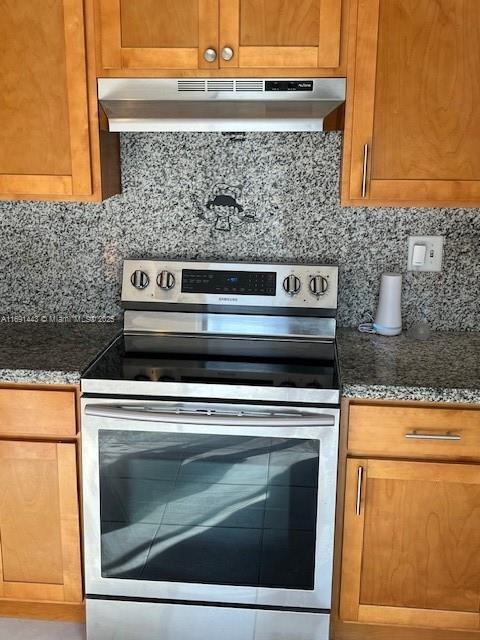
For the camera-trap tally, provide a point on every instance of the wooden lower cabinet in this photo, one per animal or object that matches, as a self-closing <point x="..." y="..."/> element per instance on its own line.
<point x="40" y="543"/>
<point x="39" y="522"/>
<point x="411" y="544"/>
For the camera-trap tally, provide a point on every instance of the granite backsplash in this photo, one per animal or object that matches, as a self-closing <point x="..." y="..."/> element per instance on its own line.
<point x="265" y="197"/>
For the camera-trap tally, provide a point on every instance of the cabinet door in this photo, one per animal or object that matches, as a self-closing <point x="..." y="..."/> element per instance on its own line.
<point x="39" y="522"/>
<point x="411" y="545"/>
<point x="44" y="143"/>
<point x="153" y="34"/>
<point x="413" y="122"/>
<point x="280" y="34"/>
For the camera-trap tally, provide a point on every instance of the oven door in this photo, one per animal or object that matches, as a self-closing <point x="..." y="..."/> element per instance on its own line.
<point x="225" y="504"/>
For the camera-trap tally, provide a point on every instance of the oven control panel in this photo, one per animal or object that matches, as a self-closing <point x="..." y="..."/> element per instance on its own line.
<point x="242" y="283"/>
<point x="297" y="286"/>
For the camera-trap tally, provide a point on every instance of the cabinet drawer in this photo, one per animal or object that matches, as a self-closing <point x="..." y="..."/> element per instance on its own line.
<point x="414" y="432"/>
<point x="37" y="413"/>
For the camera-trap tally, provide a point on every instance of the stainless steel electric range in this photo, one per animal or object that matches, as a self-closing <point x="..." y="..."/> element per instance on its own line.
<point x="210" y="437"/>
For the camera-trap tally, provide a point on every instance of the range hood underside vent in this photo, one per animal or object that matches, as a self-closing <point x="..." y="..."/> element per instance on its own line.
<point x="142" y="105"/>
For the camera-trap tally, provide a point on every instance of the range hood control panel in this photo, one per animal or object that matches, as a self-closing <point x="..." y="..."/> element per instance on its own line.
<point x="235" y="284"/>
<point x="288" y="85"/>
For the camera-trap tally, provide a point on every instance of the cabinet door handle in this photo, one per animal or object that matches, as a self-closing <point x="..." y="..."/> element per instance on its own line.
<point x="358" y="503"/>
<point x="365" y="171"/>
<point x="210" y="55"/>
<point x="227" y="54"/>
<point x="414" y="435"/>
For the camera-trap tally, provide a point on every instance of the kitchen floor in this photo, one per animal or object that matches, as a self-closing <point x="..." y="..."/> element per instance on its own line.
<point x="13" y="629"/>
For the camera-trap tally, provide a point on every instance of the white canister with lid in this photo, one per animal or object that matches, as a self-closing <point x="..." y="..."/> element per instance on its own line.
<point x="388" y="320"/>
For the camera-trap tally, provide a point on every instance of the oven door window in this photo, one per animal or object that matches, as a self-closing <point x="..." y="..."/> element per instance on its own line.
<point x="213" y="509"/>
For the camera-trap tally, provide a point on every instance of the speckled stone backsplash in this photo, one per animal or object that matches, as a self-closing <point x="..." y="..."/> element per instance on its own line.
<point x="268" y="197"/>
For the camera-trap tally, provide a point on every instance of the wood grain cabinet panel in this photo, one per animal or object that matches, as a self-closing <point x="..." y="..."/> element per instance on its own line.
<point x="266" y="37"/>
<point x="146" y="34"/>
<point x="413" y="123"/>
<point x="51" y="147"/>
<point x="411" y="545"/>
<point x="39" y="522"/>
<point x="411" y="432"/>
<point x="281" y="34"/>
<point x="45" y="144"/>
<point x="42" y="413"/>
<point x="173" y="25"/>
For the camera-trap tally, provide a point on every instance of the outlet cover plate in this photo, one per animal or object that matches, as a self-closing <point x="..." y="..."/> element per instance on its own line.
<point x="434" y="257"/>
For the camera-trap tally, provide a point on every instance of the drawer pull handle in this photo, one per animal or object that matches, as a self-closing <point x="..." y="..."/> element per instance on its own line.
<point x="414" y="435"/>
<point x="358" y="503"/>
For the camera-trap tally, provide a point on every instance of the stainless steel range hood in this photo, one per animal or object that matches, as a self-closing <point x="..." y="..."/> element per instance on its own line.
<point x="216" y="104"/>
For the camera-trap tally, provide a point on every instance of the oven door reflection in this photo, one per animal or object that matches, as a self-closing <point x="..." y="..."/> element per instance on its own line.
<point x="211" y="509"/>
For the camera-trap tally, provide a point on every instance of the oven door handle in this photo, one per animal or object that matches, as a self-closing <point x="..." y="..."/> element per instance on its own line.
<point x="267" y="420"/>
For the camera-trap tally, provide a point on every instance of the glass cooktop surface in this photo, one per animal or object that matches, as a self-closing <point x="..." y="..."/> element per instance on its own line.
<point x="226" y="361"/>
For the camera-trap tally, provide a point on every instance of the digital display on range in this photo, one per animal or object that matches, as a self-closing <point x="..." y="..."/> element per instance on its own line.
<point x="239" y="283"/>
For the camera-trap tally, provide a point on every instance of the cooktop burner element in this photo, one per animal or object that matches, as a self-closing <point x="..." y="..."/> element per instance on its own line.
<point x="240" y="332"/>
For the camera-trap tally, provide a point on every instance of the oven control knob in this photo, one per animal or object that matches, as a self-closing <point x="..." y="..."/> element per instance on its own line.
<point x="166" y="280"/>
<point x="318" y="285"/>
<point x="291" y="285"/>
<point x="139" y="279"/>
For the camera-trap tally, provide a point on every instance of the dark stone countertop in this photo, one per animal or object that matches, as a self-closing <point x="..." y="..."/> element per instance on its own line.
<point x="51" y="352"/>
<point x="444" y="368"/>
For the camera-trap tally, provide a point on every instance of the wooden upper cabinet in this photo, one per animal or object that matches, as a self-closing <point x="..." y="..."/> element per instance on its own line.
<point x="144" y="34"/>
<point x="44" y="142"/>
<point x="39" y="522"/>
<point x="411" y="544"/>
<point x="242" y="36"/>
<point x="413" y="122"/>
<point x="280" y="34"/>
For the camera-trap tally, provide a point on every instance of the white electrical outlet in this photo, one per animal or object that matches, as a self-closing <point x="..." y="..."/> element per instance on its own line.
<point x="425" y="253"/>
